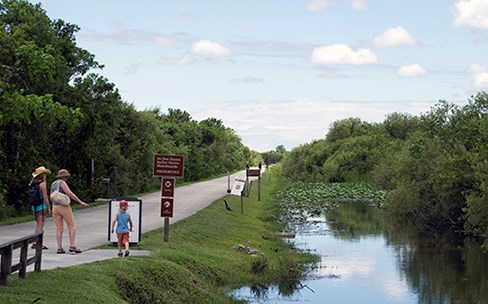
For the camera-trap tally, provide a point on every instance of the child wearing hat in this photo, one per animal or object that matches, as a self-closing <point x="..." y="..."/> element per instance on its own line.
<point x="124" y="225"/>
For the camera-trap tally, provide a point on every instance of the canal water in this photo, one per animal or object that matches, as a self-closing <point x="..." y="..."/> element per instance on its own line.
<point x="367" y="258"/>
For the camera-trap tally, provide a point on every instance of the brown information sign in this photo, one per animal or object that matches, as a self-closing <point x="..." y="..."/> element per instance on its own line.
<point x="253" y="172"/>
<point x="168" y="165"/>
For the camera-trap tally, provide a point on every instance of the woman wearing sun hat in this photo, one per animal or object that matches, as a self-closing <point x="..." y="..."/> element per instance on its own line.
<point x="40" y="212"/>
<point x="64" y="213"/>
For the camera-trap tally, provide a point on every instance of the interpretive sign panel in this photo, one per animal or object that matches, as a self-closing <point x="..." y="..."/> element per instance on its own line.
<point x="168" y="165"/>
<point x="135" y="211"/>
<point x="238" y="186"/>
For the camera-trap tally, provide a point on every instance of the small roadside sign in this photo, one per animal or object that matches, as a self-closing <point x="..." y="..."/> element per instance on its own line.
<point x="238" y="186"/>
<point x="168" y="166"/>
<point x="166" y="207"/>
<point x="167" y="187"/>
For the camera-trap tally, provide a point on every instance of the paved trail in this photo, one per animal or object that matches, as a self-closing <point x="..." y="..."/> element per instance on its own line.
<point x="92" y="223"/>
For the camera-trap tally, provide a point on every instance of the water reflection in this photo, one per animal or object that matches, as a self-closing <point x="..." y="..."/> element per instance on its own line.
<point x="365" y="258"/>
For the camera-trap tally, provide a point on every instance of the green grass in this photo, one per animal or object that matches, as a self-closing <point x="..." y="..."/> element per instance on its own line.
<point x="197" y="265"/>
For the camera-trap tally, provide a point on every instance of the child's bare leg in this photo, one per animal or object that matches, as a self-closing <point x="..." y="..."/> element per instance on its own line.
<point x="119" y="244"/>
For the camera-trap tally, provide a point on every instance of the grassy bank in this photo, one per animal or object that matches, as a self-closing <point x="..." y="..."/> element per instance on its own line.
<point x="198" y="265"/>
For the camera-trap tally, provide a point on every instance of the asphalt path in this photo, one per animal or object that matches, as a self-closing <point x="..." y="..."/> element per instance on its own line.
<point x="92" y="223"/>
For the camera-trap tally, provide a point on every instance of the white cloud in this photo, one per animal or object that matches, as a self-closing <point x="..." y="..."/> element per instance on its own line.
<point x="133" y="68"/>
<point x="358" y="5"/>
<point x="342" y="54"/>
<point x="394" y="37"/>
<point x="318" y="5"/>
<point x="481" y="80"/>
<point x="333" y="75"/>
<point x="472" y="13"/>
<point x="477" y="68"/>
<point x="205" y="47"/>
<point x="263" y="126"/>
<point x="412" y="70"/>
<point x="247" y="80"/>
<point x="130" y="37"/>
<point x="183" y="60"/>
<point x="480" y="75"/>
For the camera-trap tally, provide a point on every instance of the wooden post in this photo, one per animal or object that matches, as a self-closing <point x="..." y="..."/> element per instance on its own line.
<point x="242" y="202"/>
<point x="6" y="264"/>
<point x="228" y="182"/>
<point x="23" y="259"/>
<point x="259" y="182"/>
<point x="259" y="188"/>
<point x="40" y="241"/>
<point x="166" y="229"/>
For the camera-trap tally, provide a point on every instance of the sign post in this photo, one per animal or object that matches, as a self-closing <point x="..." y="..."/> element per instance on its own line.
<point x="255" y="172"/>
<point x="168" y="166"/>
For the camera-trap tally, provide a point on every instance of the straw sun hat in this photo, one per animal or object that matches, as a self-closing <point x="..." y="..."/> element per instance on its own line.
<point x="63" y="173"/>
<point x="41" y="170"/>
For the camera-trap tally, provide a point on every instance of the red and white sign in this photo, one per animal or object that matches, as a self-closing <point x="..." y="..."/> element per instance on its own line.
<point x="167" y="187"/>
<point x="168" y="165"/>
<point x="238" y="186"/>
<point x="167" y="207"/>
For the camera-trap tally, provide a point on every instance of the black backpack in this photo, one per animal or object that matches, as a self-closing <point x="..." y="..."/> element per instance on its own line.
<point x="34" y="194"/>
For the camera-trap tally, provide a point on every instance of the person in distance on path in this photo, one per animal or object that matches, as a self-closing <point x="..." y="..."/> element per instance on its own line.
<point x="124" y="225"/>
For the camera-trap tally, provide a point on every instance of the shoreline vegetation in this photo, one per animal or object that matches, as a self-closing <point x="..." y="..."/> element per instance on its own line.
<point x="433" y="166"/>
<point x="202" y="262"/>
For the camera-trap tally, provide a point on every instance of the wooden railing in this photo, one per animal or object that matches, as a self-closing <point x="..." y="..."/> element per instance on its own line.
<point x="7" y="253"/>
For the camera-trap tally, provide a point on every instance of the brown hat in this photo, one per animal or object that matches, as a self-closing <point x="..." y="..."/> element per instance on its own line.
<point x="41" y="170"/>
<point x="63" y="173"/>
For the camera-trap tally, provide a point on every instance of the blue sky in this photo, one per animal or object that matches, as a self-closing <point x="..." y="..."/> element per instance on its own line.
<point x="279" y="72"/>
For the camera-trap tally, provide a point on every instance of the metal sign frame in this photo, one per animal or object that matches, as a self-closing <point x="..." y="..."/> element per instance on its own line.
<point x="135" y="210"/>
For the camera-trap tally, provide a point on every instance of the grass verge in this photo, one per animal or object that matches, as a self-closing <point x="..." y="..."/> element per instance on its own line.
<point x="198" y="265"/>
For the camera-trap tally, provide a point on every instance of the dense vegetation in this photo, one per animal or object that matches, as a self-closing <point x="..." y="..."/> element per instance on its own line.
<point x="274" y="157"/>
<point x="55" y="113"/>
<point x="434" y="165"/>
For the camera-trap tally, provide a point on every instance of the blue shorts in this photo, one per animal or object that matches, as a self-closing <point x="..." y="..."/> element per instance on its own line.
<point x="39" y="210"/>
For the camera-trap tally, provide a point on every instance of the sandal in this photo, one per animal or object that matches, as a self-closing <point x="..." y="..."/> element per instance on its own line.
<point x="126" y="253"/>
<point x="34" y="246"/>
<point x="120" y="254"/>
<point x="60" y="251"/>
<point x="74" y="249"/>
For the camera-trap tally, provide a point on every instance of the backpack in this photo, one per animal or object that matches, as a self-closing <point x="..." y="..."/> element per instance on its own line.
<point x="34" y="194"/>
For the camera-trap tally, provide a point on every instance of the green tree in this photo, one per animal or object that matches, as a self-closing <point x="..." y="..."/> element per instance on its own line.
<point x="274" y="157"/>
<point x="38" y="58"/>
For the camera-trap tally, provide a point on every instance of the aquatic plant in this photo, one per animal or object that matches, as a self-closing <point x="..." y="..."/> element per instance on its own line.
<point x="301" y="200"/>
